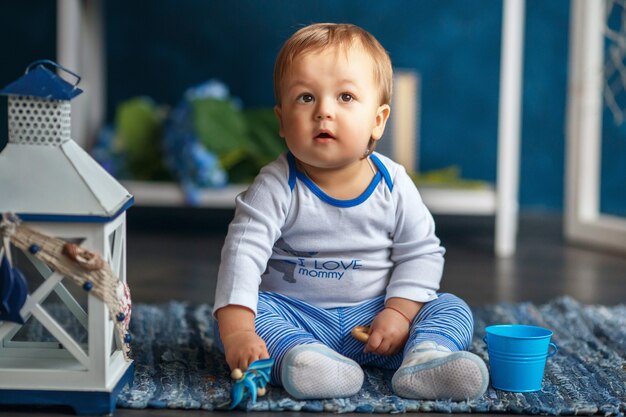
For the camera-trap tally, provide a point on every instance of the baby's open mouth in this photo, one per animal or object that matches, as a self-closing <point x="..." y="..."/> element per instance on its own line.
<point x="324" y="135"/>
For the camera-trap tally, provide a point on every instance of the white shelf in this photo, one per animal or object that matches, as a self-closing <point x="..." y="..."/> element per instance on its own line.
<point x="459" y="201"/>
<point x="438" y="200"/>
<point x="169" y="194"/>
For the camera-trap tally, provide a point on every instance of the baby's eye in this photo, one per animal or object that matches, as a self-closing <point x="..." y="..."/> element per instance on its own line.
<point x="305" y="98"/>
<point x="346" y="97"/>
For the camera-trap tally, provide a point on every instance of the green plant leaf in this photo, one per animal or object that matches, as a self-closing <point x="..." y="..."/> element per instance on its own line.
<point x="219" y="125"/>
<point x="139" y="125"/>
<point x="263" y="130"/>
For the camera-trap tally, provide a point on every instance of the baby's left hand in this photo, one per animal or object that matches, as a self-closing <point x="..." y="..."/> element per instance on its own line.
<point x="388" y="333"/>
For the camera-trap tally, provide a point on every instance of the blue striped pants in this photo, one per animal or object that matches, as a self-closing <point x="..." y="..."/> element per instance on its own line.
<point x="284" y="322"/>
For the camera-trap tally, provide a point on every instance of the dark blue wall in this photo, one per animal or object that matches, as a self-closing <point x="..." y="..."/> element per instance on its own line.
<point x="160" y="48"/>
<point x="27" y="33"/>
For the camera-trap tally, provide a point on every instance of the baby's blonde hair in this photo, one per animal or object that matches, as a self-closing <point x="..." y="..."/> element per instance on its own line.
<point x="318" y="36"/>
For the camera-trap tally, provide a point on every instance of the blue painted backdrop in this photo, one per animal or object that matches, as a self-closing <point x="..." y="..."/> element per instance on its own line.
<point x="164" y="46"/>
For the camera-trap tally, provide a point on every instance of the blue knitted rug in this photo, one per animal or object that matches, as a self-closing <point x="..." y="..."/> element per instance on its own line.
<point x="177" y="365"/>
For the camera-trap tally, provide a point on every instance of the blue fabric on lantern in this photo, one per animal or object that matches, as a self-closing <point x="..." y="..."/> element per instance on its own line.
<point x="13" y="292"/>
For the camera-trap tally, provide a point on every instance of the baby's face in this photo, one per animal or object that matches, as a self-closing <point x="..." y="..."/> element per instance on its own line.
<point x="330" y="107"/>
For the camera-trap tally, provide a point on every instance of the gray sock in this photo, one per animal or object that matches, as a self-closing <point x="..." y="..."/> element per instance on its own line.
<point x="431" y="372"/>
<point x="317" y="371"/>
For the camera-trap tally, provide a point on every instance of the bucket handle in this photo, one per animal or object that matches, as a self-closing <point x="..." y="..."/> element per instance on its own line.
<point x="556" y="349"/>
<point x="550" y="354"/>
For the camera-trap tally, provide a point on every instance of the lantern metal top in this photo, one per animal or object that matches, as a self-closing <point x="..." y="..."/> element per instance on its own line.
<point x="39" y="81"/>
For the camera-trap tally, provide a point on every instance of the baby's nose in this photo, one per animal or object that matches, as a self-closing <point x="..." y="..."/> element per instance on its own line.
<point x="324" y="110"/>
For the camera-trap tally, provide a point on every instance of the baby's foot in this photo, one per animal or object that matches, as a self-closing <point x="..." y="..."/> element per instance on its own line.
<point x="316" y="371"/>
<point x="431" y="372"/>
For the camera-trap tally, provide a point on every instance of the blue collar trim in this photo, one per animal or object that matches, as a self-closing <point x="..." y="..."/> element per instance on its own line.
<point x="335" y="202"/>
<point x="383" y="170"/>
<point x="382" y="173"/>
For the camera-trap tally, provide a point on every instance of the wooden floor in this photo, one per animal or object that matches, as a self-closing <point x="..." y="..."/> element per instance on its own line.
<point x="174" y="254"/>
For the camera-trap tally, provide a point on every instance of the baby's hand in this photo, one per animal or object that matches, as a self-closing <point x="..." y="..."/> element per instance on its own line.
<point x="242" y="348"/>
<point x="388" y="333"/>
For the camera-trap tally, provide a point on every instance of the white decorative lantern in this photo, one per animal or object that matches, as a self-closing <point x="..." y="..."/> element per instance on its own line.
<point x="57" y="189"/>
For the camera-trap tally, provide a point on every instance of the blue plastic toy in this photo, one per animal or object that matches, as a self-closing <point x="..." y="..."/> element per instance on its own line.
<point x="249" y="383"/>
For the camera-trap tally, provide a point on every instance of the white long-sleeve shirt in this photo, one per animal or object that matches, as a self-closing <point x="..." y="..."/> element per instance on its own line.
<point x="289" y="237"/>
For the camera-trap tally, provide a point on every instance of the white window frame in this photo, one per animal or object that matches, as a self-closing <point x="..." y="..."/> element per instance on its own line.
<point x="584" y="222"/>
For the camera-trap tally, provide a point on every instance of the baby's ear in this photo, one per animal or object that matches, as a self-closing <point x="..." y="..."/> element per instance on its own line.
<point x="279" y="115"/>
<point x="382" y="115"/>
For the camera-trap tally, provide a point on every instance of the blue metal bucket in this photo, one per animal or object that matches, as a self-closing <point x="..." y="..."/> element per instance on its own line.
<point x="517" y="356"/>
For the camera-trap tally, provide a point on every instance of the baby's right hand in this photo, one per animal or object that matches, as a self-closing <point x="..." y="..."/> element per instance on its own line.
<point x="242" y="348"/>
